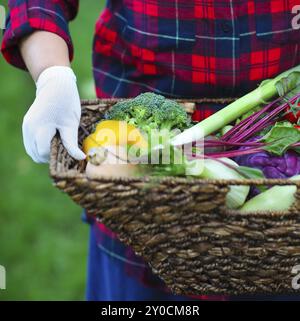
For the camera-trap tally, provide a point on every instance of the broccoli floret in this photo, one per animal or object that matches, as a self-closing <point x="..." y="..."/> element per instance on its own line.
<point x="150" y="111"/>
<point x="137" y="111"/>
<point x="171" y="115"/>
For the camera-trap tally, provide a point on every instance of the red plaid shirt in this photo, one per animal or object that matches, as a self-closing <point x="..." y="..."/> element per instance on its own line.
<point x="178" y="48"/>
<point x="182" y="48"/>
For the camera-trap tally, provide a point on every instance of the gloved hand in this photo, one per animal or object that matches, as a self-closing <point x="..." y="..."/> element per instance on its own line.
<point x="56" y="107"/>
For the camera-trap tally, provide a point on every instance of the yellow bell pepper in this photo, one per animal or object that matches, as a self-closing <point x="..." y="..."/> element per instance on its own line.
<point x="114" y="132"/>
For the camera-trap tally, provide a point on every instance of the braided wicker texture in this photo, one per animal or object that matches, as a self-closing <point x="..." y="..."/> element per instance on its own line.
<point x="181" y="226"/>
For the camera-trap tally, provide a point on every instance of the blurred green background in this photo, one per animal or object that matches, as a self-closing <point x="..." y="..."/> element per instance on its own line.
<point x="43" y="243"/>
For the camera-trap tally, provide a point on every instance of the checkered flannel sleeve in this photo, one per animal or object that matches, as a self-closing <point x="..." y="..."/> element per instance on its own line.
<point x="27" y="16"/>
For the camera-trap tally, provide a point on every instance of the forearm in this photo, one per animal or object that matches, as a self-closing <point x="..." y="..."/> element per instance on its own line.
<point x="42" y="50"/>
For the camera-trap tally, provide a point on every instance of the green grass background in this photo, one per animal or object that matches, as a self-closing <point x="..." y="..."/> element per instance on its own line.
<point x="43" y="243"/>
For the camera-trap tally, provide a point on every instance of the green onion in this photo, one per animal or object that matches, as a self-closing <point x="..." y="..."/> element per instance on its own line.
<point x="268" y="89"/>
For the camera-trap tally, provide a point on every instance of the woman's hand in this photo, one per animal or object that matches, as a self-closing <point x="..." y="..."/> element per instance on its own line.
<point x="56" y="107"/>
<point x="57" y="103"/>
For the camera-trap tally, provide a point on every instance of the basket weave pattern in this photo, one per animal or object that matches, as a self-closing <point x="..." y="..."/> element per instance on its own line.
<point x="182" y="228"/>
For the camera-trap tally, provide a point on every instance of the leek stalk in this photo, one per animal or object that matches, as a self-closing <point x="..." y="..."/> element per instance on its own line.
<point x="267" y="90"/>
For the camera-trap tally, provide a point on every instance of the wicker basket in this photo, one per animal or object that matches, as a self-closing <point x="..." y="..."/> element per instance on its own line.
<point x="182" y="228"/>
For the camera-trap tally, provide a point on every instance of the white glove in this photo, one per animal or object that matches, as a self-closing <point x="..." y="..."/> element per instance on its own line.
<point x="56" y="107"/>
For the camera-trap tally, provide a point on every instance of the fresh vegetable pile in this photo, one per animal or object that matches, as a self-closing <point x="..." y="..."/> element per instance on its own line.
<point x="257" y="136"/>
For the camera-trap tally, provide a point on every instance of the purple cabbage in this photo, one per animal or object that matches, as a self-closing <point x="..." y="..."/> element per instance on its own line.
<point x="284" y="166"/>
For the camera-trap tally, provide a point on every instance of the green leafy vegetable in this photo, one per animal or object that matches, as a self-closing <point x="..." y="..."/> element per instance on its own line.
<point x="281" y="136"/>
<point x="249" y="172"/>
<point x="288" y="83"/>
